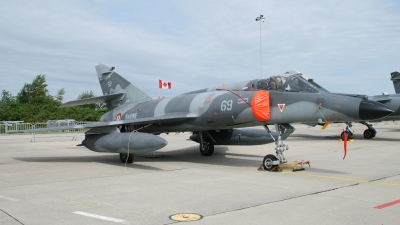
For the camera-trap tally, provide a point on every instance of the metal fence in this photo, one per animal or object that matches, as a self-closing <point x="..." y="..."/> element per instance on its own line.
<point x="5" y="128"/>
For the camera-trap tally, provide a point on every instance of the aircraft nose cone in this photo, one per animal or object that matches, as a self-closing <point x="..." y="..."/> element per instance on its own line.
<point x="370" y="110"/>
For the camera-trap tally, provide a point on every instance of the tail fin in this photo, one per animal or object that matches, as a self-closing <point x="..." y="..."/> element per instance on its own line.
<point x="112" y="83"/>
<point x="395" y="77"/>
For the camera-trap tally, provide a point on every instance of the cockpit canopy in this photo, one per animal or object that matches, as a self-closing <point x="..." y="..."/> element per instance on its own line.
<point x="294" y="83"/>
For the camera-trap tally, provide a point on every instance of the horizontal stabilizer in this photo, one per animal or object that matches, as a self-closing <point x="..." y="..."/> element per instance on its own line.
<point x="166" y="118"/>
<point x="85" y="101"/>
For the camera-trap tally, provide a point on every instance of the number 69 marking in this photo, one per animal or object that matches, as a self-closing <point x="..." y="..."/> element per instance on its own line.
<point x="226" y="105"/>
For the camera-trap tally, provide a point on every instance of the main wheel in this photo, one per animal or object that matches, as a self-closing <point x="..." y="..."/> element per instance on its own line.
<point x="268" y="162"/>
<point x="125" y="158"/>
<point x="206" y="149"/>
<point x="368" y="134"/>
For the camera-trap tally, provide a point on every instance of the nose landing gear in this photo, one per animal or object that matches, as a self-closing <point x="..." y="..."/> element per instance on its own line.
<point x="283" y="131"/>
<point x="349" y="131"/>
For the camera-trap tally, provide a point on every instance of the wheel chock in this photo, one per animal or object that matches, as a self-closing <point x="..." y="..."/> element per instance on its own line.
<point x="373" y="138"/>
<point x="261" y="168"/>
<point x="294" y="166"/>
<point x="347" y="140"/>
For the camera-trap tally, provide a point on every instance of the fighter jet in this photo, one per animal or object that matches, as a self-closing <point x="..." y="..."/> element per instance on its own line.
<point x="392" y="101"/>
<point x="294" y="81"/>
<point x="218" y="117"/>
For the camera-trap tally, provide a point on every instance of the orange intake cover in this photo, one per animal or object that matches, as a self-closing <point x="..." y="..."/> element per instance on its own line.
<point x="260" y="106"/>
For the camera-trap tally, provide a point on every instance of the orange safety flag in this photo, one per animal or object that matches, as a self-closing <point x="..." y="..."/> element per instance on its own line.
<point x="345" y="143"/>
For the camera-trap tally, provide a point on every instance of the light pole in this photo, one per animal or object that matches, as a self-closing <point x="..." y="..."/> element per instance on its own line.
<point x="260" y="18"/>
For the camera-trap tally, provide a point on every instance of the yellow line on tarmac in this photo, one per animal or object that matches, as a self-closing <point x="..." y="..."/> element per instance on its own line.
<point x="343" y="178"/>
<point x="236" y="167"/>
<point x="300" y="173"/>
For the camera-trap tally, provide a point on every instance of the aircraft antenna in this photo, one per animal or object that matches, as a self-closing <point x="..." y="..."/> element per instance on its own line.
<point x="244" y="100"/>
<point x="260" y="18"/>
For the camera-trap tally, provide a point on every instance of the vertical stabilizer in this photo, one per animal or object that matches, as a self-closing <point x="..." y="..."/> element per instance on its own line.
<point x="112" y="83"/>
<point x="395" y="77"/>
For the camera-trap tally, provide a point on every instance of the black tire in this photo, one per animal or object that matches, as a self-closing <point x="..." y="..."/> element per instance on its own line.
<point x="208" y="149"/>
<point x="267" y="162"/>
<point x="125" y="159"/>
<point x="368" y="134"/>
<point x="348" y="135"/>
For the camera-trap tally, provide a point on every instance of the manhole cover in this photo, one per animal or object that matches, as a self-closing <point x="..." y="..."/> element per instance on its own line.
<point x="186" y="217"/>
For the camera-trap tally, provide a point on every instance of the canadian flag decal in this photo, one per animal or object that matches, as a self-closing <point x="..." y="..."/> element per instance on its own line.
<point x="281" y="106"/>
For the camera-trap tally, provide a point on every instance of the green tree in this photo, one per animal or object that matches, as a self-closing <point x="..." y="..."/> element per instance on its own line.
<point x="7" y="106"/>
<point x="60" y="95"/>
<point x="35" y="92"/>
<point x="35" y="104"/>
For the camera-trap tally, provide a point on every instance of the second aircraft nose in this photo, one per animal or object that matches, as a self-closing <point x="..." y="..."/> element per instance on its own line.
<point x="370" y="110"/>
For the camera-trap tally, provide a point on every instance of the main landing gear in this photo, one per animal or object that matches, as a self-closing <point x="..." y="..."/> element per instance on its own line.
<point x="370" y="132"/>
<point x="349" y="131"/>
<point x="126" y="158"/>
<point x="283" y="131"/>
<point x="206" y="147"/>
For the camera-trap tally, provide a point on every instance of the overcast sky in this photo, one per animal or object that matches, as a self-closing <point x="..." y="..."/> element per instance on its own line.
<point x="346" y="46"/>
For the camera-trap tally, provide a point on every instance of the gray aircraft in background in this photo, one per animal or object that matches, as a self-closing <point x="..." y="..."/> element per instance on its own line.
<point x="395" y="77"/>
<point x="216" y="117"/>
<point x="392" y="101"/>
<point x="294" y="81"/>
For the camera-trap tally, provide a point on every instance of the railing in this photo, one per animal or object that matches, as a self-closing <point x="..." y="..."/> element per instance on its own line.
<point x="6" y="128"/>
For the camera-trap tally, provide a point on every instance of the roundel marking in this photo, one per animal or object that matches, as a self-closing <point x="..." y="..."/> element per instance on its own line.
<point x="118" y="117"/>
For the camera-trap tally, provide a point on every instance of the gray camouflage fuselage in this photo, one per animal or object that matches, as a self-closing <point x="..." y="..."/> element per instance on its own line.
<point x="222" y="110"/>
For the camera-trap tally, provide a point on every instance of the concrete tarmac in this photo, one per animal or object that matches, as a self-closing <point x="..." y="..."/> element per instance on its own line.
<point x="54" y="182"/>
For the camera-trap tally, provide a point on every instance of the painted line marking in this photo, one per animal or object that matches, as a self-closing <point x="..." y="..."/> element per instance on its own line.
<point x="387" y="204"/>
<point x="319" y="176"/>
<point x="237" y="167"/>
<point x="101" y="217"/>
<point x="9" y="199"/>
<point x="345" y="179"/>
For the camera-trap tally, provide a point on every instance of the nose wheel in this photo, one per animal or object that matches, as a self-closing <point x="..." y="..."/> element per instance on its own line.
<point x="349" y="131"/>
<point x="349" y="135"/>
<point x="270" y="162"/>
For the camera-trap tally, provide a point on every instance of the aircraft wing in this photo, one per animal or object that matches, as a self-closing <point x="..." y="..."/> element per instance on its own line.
<point x="166" y="118"/>
<point x="103" y="98"/>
